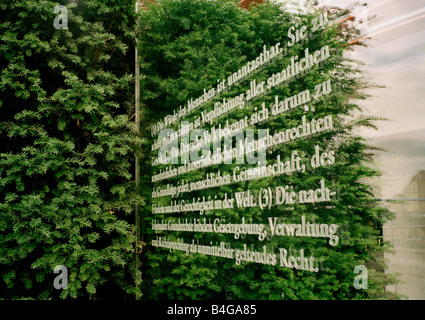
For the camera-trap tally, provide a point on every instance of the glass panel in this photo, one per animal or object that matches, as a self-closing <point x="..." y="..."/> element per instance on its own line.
<point x="396" y="60"/>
